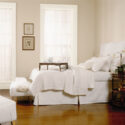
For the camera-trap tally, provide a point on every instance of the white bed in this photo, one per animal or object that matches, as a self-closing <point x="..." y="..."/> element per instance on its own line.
<point x="7" y="110"/>
<point x="100" y="87"/>
<point x="102" y="90"/>
<point x="100" y="93"/>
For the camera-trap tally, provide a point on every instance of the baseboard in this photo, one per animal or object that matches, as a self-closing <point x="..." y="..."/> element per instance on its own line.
<point x="5" y="86"/>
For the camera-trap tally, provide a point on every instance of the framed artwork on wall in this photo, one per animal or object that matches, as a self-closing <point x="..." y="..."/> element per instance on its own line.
<point x="28" y="29"/>
<point x="28" y="43"/>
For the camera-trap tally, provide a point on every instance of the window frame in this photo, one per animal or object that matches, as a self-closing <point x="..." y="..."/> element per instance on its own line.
<point x="74" y="47"/>
<point x="11" y="5"/>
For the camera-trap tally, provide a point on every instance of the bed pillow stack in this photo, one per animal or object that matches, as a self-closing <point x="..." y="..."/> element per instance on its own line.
<point x="97" y="64"/>
<point x="102" y="64"/>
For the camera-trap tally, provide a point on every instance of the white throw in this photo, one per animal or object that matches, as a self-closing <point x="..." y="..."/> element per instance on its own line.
<point x="74" y="82"/>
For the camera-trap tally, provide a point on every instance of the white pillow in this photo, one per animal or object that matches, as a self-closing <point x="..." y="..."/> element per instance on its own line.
<point x="102" y="64"/>
<point x="107" y="64"/>
<point x="34" y="74"/>
<point x="97" y="64"/>
<point x="111" y="48"/>
<point x="88" y="64"/>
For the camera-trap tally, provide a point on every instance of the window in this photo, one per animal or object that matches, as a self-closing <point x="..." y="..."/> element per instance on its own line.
<point x="7" y="42"/>
<point x="58" y="33"/>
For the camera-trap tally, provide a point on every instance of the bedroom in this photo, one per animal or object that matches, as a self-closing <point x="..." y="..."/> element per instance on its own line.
<point x="98" y="21"/>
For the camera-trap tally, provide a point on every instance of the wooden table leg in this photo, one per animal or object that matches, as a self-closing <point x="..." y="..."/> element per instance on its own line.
<point x="78" y="103"/>
<point x="60" y="67"/>
<point x="13" y="123"/>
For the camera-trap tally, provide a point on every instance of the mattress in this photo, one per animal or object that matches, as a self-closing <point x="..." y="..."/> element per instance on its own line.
<point x="102" y="76"/>
<point x="7" y="110"/>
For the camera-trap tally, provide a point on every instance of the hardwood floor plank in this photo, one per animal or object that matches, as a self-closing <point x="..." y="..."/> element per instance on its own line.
<point x="90" y="114"/>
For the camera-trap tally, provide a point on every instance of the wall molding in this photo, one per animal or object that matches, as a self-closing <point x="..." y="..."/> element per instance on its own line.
<point x="5" y="86"/>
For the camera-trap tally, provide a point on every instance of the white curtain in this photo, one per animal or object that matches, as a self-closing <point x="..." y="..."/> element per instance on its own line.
<point x="58" y="33"/>
<point x="7" y="40"/>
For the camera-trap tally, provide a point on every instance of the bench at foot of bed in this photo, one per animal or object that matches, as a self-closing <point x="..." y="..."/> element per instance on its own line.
<point x="20" y="88"/>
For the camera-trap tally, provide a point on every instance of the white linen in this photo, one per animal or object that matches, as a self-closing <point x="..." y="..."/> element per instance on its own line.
<point x="34" y="73"/>
<point x="51" y="80"/>
<point x="100" y="94"/>
<point x="7" y="110"/>
<point x="82" y="80"/>
<point x="97" y="64"/>
<point x="88" y="64"/>
<point x="101" y="64"/>
<point x="74" y="82"/>
<point x="54" y="98"/>
<point x="102" y="76"/>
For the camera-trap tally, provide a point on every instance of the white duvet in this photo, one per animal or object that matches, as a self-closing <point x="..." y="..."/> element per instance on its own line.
<point x="74" y="82"/>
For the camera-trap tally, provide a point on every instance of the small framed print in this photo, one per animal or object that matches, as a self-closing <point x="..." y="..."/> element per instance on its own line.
<point x="28" y="43"/>
<point x="28" y="29"/>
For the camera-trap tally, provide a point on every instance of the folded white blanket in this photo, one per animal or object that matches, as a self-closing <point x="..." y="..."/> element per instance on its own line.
<point x="74" y="82"/>
<point x="82" y="81"/>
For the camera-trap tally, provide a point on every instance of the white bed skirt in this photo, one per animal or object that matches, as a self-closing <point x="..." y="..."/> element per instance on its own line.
<point x="54" y="98"/>
<point x="99" y="94"/>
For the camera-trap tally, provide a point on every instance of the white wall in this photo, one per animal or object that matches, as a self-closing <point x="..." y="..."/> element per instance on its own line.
<point x="29" y="11"/>
<point x="110" y="21"/>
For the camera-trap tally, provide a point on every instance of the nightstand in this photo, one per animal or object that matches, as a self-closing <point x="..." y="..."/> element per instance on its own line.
<point x="118" y="90"/>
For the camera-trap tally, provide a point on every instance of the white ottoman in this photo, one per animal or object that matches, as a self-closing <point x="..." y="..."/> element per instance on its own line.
<point x="7" y="110"/>
<point x="19" y="87"/>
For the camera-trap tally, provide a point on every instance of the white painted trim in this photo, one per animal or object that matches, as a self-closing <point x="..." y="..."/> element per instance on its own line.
<point x="14" y="40"/>
<point x="5" y="85"/>
<point x="11" y="5"/>
<point x="43" y="7"/>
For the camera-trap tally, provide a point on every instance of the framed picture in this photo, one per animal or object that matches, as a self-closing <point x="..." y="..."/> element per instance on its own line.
<point x="28" y="43"/>
<point x="28" y="29"/>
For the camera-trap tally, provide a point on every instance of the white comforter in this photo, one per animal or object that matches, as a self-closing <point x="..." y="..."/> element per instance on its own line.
<point x="74" y="82"/>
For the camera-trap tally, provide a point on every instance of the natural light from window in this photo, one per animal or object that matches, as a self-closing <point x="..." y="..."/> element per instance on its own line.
<point x="58" y="33"/>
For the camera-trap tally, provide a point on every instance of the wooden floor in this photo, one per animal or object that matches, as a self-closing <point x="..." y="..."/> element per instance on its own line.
<point x="91" y="114"/>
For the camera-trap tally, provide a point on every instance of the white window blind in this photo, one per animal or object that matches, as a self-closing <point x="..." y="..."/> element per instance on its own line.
<point x="7" y="41"/>
<point x="59" y="33"/>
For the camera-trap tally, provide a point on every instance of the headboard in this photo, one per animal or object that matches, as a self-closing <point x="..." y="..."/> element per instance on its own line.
<point x="112" y="48"/>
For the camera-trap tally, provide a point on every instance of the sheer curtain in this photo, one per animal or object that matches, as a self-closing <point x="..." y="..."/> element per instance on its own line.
<point x="58" y="33"/>
<point x="7" y="41"/>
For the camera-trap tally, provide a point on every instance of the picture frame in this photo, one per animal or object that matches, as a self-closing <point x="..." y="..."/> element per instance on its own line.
<point x="28" y="29"/>
<point x="28" y="43"/>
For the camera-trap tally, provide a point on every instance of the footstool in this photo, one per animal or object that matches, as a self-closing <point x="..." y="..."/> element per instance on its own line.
<point x="7" y="110"/>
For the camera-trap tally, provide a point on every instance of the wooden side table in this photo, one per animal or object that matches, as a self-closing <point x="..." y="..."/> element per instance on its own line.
<point x="118" y="90"/>
<point x="56" y="64"/>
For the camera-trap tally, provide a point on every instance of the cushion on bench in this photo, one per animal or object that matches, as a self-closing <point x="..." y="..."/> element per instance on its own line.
<point x="20" y="87"/>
